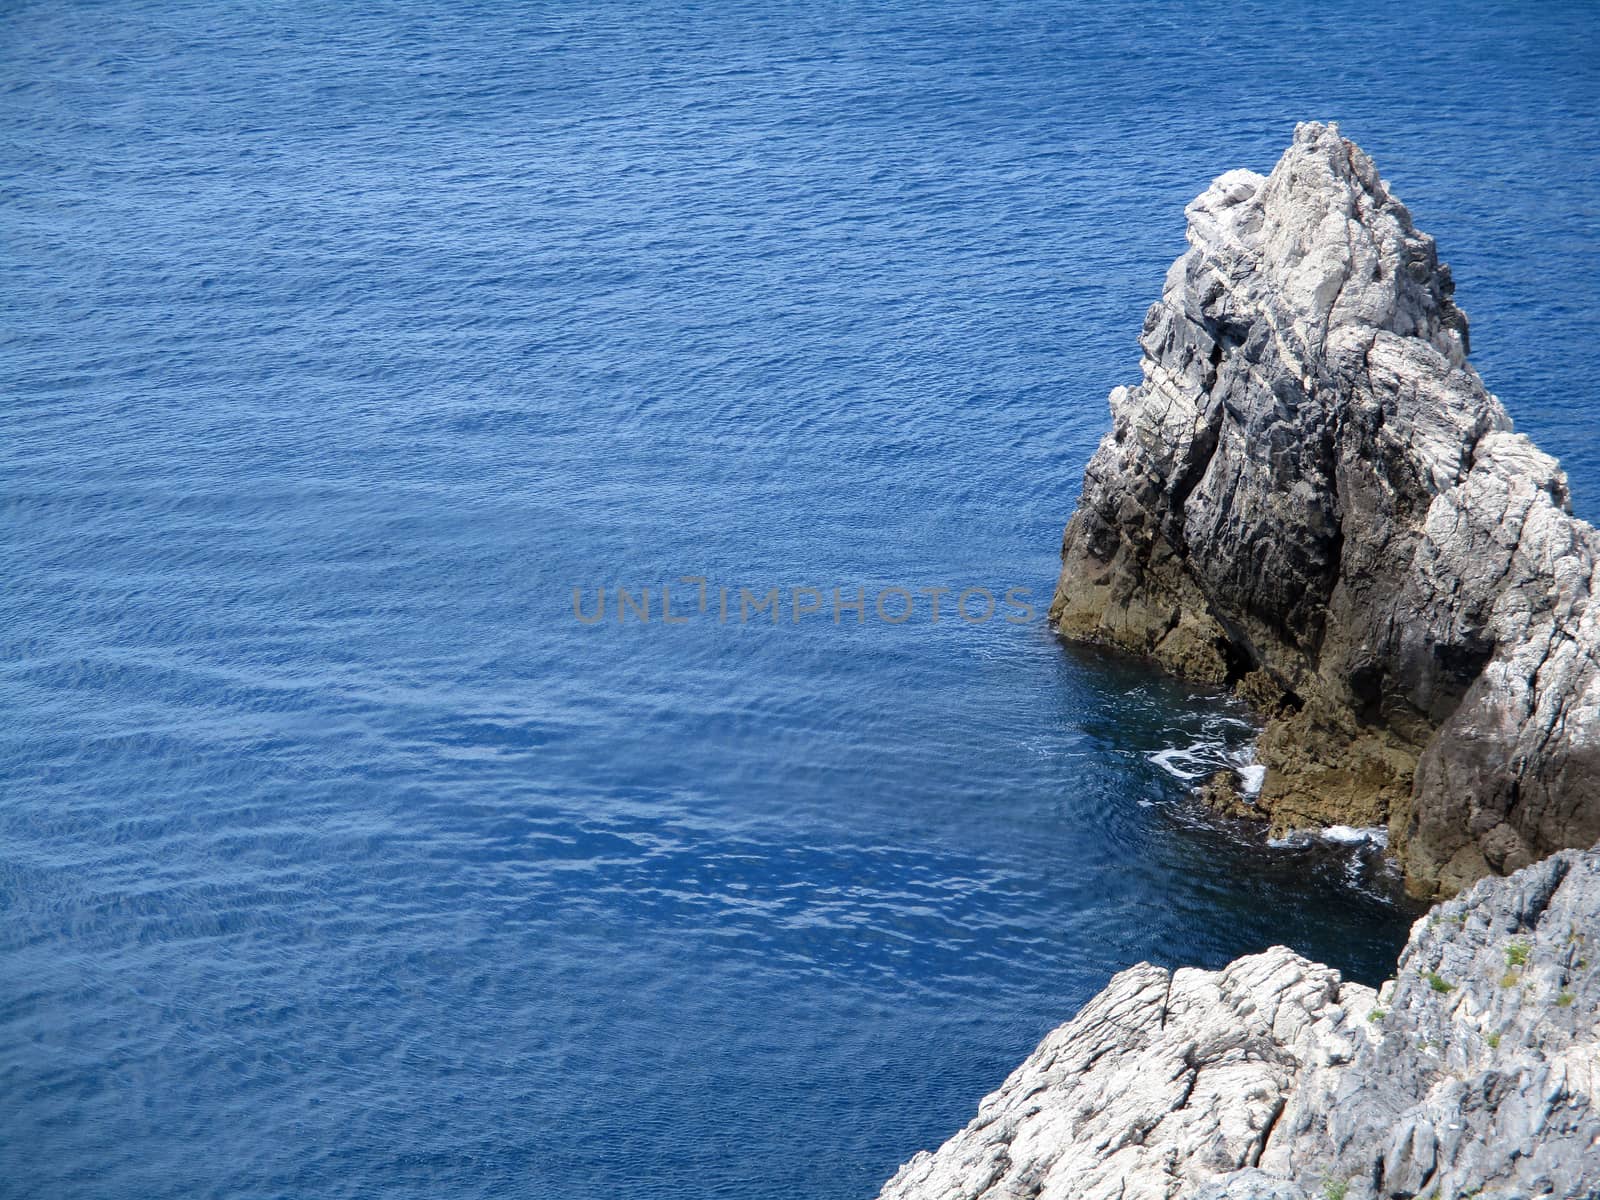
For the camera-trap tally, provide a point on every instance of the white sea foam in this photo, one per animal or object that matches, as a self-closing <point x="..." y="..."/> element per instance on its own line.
<point x="1295" y="839"/>
<point x="1188" y="763"/>
<point x="1377" y="835"/>
<point x="1343" y="835"/>
<point x="1204" y="757"/>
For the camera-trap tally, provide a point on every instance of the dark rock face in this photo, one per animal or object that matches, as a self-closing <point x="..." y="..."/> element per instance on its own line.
<point x="1312" y="496"/>
<point x="1474" y="1071"/>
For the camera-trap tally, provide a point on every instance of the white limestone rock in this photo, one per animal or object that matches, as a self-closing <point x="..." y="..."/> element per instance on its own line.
<point x="1473" y="1071"/>
<point x="1162" y="1077"/>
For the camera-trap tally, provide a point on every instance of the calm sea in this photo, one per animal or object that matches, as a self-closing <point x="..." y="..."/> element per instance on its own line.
<point x="341" y="343"/>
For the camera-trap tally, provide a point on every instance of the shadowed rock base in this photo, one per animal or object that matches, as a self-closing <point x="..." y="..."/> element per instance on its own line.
<point x="1312" y="497"/>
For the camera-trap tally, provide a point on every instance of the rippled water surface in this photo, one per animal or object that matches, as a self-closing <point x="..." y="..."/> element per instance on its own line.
<point x="338" y="859"/>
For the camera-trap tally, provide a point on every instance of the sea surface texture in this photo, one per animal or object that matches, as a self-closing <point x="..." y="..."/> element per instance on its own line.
<point x="338" y="858"/>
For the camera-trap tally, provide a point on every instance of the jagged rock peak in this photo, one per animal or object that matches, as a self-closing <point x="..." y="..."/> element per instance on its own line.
<point x="1312" y="496"/>
<point x="1473" y="1071"/>
<point x="1326" y="246"/>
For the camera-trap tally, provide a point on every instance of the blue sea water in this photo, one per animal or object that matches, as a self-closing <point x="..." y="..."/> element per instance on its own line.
<point x="338" y="859"/>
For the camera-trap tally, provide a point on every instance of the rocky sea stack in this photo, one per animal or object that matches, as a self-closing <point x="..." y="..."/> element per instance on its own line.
<point x="1312" y="498"/>
<point x="1472" y="1073"/>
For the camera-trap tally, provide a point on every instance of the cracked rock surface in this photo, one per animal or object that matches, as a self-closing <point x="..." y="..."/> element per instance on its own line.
<point x="1473" y="1071"/>
<point x="1312" y="496"/>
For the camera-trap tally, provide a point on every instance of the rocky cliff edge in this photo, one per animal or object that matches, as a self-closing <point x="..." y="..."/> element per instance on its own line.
<point x="1472" y="1073"/>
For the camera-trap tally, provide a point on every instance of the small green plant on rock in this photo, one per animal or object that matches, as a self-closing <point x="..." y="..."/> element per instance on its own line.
<point x="1517" y="954"/>
<point x="1335" y="1189"/>
<point x="1376" y="1015"/>
<point x="1565" y="999"/>
<point x="1509" y="979"/>
<point x="1494" y="1040"/>
<point x="1439" y="983"/>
